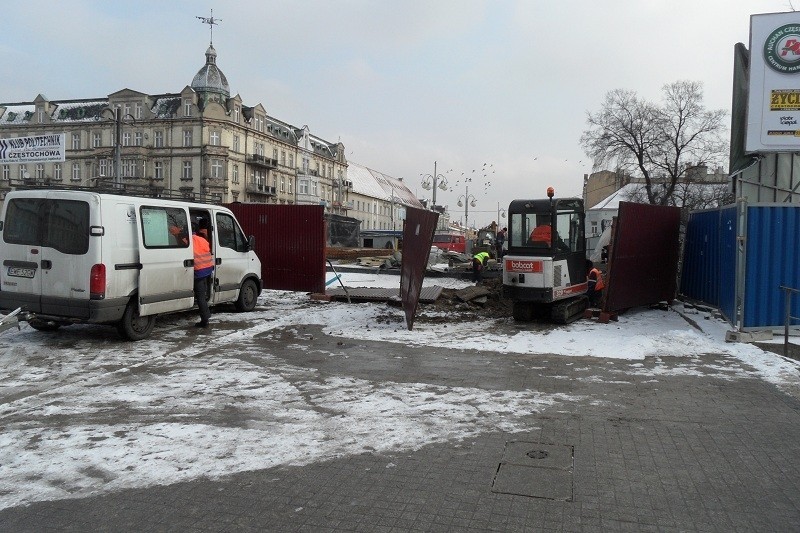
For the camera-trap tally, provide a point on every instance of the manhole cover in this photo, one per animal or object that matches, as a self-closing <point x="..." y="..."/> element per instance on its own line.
<point x="537" y="454"/>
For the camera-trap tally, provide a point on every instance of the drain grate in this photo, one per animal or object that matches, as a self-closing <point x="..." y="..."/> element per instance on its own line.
<point x="537" y="454"/>
<point x="536" y="470"/>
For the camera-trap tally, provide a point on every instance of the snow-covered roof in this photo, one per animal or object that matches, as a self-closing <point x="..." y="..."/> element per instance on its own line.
<point x="620" y="195"/>
<point x="17" y="113"/>
<point x="364" y="182"/>
<point x="79" y="110"/>
<point x="381" y="186"/>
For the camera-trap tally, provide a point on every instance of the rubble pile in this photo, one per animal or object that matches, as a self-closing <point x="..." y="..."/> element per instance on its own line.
<point x="484" y="300"/>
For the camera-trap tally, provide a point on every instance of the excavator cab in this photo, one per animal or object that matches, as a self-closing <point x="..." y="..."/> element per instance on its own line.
<point x="544" y="271"/>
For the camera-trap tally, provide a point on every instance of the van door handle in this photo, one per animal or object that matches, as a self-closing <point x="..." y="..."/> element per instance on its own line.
<point x="217" y="261"/>
<point x="46" y="264"/>
<point x="188" y="262"/>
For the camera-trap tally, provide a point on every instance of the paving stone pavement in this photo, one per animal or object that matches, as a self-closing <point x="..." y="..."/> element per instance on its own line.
<point x="657" y="445"/>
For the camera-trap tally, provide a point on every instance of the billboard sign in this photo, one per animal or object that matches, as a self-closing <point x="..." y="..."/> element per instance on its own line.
<point x="773" y="106"/>
<point x="34" y="149"/>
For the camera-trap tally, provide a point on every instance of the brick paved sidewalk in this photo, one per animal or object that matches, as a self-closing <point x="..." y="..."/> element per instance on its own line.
<point x="653" y="446"/>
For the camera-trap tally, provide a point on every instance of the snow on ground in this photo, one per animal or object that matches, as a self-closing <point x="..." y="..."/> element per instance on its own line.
<point x="82" y="413"/>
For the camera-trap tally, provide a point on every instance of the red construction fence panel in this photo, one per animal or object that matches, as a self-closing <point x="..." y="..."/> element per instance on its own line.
<point x="417" y="241"/>
<point x="290" y="241"/>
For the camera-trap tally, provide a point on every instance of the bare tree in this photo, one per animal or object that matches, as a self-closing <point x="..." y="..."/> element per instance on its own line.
<point x="659" y="142"/>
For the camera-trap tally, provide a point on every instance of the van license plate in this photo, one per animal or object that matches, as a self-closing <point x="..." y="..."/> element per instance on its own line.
<point x="21" y="272"/>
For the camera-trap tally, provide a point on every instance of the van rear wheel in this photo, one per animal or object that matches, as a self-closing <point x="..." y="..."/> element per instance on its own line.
<point x="43" y="325"/>
<point x="134" y="327"/>
<point x="248" y="295"/>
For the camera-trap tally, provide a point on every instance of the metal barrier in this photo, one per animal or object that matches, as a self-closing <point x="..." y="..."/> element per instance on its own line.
<point x="788" y="318"/>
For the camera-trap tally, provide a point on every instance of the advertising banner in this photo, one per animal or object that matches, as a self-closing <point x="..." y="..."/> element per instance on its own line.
<point x="773" y="106"/>
<point x="35" y="149"/>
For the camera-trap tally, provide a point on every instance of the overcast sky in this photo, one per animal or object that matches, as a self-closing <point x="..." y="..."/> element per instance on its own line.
<point x="401" y="83"/>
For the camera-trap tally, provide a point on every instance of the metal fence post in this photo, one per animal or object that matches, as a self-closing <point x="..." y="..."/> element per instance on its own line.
<point x="788" y="317"/>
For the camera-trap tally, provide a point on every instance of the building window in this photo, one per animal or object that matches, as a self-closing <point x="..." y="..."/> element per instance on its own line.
<point x="40" y="114"/>
<point x="236" y="143"/>
<point x="57" y="171"/>
<point x="6" y="172"/>
<point x="76" y="172"/>
<point x="187" y="107"/>
<point x="291" y="160"/>
<point x="127" y="110"/>
<point x="138" y="111"/>
<point x="236" y="114"/>
<point x="283" y="184"/>
<point x="126" y="138"/>
<point x="216" y="168"/>
<point x="283" y="157"/>
<point x="97" y="140"/>
<point x="314" y="188"/>
<point x="158" y="139"/>
<point x="39" y="171"/>
<point x="128" y="167"/>
<point x="291" y="186"/>
<point x="258" y="148"/>
<point x="187" y="137"/>
<point x="158" y="170"/>
<point x="23" y="171"/>
<point x="275" y="154"/>
<point x="214" y="138"/>
<point x="103" y="167"/>
<point x="187" y="170"/>
<point x="235" y="174"/>
<point x="76" y="141"/>
<point x="137" y="138"/>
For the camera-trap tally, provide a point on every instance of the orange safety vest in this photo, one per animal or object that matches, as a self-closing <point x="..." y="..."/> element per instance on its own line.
<point x="542" y="233"/>
<point x="202" y="254"/>
<point x="599" y="286"/>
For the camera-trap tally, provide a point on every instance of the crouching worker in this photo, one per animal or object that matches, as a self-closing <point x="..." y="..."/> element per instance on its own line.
<point x="203" y="268"/>
<point x="596" y="285"/>
<point x="479" y="261"/>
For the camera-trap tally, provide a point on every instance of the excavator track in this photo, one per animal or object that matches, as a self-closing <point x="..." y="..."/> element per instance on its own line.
<point x="567" y="311"/>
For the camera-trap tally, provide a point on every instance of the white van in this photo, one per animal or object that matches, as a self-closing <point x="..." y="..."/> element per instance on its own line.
<point x="78" y="256"/>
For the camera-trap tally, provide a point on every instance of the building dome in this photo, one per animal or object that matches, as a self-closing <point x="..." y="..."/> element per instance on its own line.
<point x="210" y="79"/>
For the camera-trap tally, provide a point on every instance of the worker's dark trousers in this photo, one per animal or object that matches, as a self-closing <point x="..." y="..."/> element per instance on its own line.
<point x="477" y="271"/>
<point x="201" y="298"/>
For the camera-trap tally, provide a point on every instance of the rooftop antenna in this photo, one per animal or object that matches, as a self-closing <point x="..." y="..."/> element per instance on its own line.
<point x="210" y="21"/>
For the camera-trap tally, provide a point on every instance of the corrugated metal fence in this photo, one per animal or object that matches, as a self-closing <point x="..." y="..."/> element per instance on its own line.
<point x="290" y="241"/>
<point x="720" y="273"/>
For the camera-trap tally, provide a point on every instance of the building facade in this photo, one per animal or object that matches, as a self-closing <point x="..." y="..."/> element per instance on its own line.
<point x="199" y="142"/>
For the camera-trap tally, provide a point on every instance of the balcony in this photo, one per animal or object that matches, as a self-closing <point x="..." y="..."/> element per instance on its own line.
<point x="257" y="188"/>
<point x="262" y="161"/>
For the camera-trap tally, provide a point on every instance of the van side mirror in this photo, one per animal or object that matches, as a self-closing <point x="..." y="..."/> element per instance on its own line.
<point x="251" y="243"/>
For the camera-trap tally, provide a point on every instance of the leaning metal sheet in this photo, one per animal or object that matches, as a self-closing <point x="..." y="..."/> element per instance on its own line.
<point x="417" y="241"/>
<point x="643" y="262"/>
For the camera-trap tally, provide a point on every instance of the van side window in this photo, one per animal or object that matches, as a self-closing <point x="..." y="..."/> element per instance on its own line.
<point x="164" y="227"/>
<point x="59" y="224"/>
<point x="229" y="234"/>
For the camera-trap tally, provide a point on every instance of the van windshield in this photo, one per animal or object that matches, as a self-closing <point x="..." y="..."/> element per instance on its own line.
<point x="59" y="224"/>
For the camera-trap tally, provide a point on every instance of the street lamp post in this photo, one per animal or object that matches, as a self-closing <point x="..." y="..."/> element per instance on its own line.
<point x="438" y="180"/>
<point x="466" y="200"/>
<point x="500" y="213"/>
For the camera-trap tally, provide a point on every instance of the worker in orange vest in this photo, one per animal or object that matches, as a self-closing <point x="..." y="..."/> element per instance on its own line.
<point x="542" y="233"/>
<point x="596" y="285"/>
<point x="203" y="268"/>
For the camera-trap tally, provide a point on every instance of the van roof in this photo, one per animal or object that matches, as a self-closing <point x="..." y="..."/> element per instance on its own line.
<point x="138" y="191"/>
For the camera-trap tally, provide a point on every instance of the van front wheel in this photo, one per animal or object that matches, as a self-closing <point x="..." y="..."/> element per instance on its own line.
<point x="134" y="327"/>
<point x="248" y="295"/>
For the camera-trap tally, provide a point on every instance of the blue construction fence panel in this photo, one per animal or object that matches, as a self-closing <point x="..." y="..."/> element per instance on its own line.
<point x="701" y="258"/>
<point x="727" y="262"/>
<point x="773" y="259"/>
<point x="708" y="273"/>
